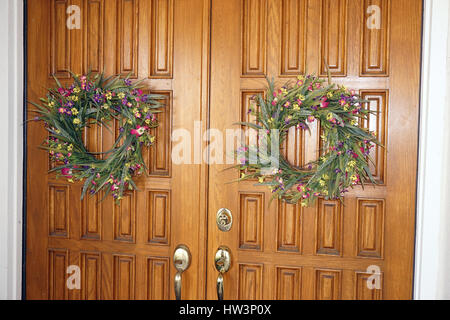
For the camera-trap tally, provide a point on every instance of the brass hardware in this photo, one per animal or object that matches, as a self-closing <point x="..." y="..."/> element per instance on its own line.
<point x="224" y="219"/>
<point x="222" y="262"/>
<point x="181" y="261"/>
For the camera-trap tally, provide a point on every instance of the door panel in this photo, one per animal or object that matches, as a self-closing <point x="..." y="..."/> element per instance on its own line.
<point x="283" y="251"/>
<point x="124" y="252"/>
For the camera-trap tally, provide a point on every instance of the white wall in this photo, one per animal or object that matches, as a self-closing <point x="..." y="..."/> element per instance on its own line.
<point x="432" y="264"/>
<point x="11" y="95"/>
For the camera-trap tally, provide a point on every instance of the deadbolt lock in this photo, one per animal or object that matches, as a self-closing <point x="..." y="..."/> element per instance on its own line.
<point x="224" y="219"/>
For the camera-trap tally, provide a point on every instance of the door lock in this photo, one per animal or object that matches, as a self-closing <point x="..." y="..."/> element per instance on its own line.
<point x="224" y="219"/>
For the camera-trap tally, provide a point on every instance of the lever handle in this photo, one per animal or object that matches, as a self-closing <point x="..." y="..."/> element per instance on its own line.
<point x="222" y="262"/>
<point x="220" y="287"/>
<point x="181" y="261"/>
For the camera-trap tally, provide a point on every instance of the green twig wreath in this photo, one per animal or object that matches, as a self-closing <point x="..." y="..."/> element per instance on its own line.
<point x="344" y="160"/>
<point x="94" y="99"/>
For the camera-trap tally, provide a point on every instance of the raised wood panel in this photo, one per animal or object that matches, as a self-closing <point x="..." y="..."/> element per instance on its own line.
<point x="91" y="217"/>
<point x="93" y="139"/>
<point x="370" y="228"/>
<point x="124" y="277"/>
<point x="251" y="220"/>
<point x="293" y="148"/>
<point x="161" y="39"/>
<point x="375" y="41"/>
<point x="93" y="36"/>
<point x="288" y="283"/>
<point x="91" y="275"/>
<point x="57" y="267"/>
<point x="289" y="227"/>
<point x="293" y="37"/>
<point x="250" y="282"/>
<point x="362" y="291"/>
<point x="60" y="48"/>
<point x="158" y="209"/>
<point x="157" y="278"/>
<point x="159" y="158"/>
<point x="125" y="218"/>
<point x="333" y="43"/>
<point x="329" y="227"/>
<point x="378" y="123"/>
<point x="127" y="37"/>
<point x="254" y="25"/>
<point x="249" y="102"/>
<point x="58" y="211"/>
<point x="327" y="284"/>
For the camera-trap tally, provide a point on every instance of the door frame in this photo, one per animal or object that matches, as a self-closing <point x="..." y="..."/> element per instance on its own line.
<point x="431" y="281"/>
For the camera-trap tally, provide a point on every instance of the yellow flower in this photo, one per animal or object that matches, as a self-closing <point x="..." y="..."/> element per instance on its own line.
<point x="135" y="110"/>
<point x="353" y="122"/>
<point x="129" y="121"/>
<point x="51" y="104"/>
<point x="243" y="175"/>
<point x="351" y="164"/>
<point x="70" y="147"/>
<point x="304" y="203"/>
<point x="325" y="192"/>
<point x="301" y="97"/>
<point x="270" y="120"/>
<point x="105" y="106"/>
<point x="301" y="78"/>
<point x="354" y="178"/>
<point x="296" y="107"/>
<point x="326" y="177"/>
<point x="70" y="180"/>
<point x="74" y="111"/>
<point x="261" y="179"/>
<point x="329" y="116"/>
<point x="76" y="90"/>
<point x="330" y="94"/>
<point x="76" y="121"/>
<point x="121" y="95"/>
<point x="283" y="90"/>
<point x="145" y="109"/>
<point x="152" y="139"/>
<point x="59" y="146"/>
<point x="323" y="137"/>
<point x="108" y="95"/>
<point x="322" y="183"/>
<point x="74" y="98"/>
<point x="147" y="121"/>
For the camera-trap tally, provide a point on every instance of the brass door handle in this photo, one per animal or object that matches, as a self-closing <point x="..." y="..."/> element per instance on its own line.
<point x="181" y="261"/>
<point x="222" y="262"/>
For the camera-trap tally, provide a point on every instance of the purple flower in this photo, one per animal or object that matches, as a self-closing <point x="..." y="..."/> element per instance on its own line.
<point x="127" y="82"/>
<point x="124" y="101"/>
<point x="98" y="98"/>
<point x="337" y="170"/>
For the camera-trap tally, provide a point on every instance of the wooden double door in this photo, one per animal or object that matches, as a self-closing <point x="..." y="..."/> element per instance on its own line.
<point x="209" y="58"/>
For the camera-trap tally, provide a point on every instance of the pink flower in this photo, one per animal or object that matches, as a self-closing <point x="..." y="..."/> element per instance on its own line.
<point x="139" y="131"/>
<point x="324" y="103"/>
<point x="311" y="118"/>
<point x="66" y="172"/>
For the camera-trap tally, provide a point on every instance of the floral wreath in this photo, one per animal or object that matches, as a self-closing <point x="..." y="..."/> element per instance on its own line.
<point x="344" y="160"/>
<point x="94" y="99"/>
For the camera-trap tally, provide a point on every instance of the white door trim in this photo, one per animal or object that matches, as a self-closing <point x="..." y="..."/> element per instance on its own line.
<point x="432" y="260"/>
<point x="11" y="144"/>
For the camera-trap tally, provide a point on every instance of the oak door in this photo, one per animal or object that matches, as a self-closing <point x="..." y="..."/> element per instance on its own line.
<point x="282" y="251"/>
<point x="123" y="252"/>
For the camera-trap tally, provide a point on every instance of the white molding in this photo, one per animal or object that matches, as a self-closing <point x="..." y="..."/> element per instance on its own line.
<point x="11" y="160"/>
<point x="432" y="243"/>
